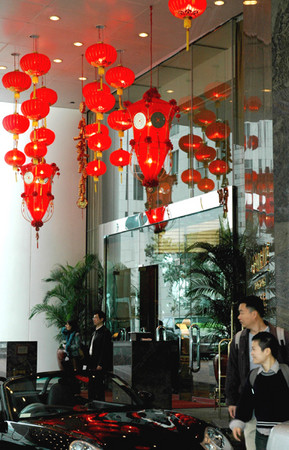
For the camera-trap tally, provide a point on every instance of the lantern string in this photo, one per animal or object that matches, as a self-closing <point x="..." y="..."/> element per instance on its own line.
<point x="151" y="43"/>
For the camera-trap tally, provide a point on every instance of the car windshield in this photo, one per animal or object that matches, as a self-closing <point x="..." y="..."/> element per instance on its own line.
<point x="58" y="393"/>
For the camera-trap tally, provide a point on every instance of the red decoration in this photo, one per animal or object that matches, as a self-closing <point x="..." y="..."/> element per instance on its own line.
<point x="35" y="109"/>
<point x="218" y="167"/>
<point x="47" y="95"/>
<point x="35" y="150"/>
<point x="16" y="81"/>
<point x="253" y="142"/>
<point x="100" y="102"/>
<point x="204" y="118"/>
<point x="120" y="158"/>
<point x="217" y="91"/>
<point x="95" y="168"/>
<point x="119" y="77"/>
<point x="251" y="181"/>
<point x="99" y="142"/>
<point x="206" y="185"/>
<point x="151" y="118"/>
<point x="191" y="176"/>
<point x="15" y="158"/>
<point x="253" y="103"/>
<point x="156" y="215"/>
<point x="218" y="131"/>
<point x="35" y="64"/>
<point x="101" y="55"/>
<point x="44" y="135"/>
<point x="190" y="143"/>
<point x="95" y="128"/>
<point x="16" y="123"/>
<point x="205" y="154"/>
<point x="119" y="120"/>
<point x="187" y="104"/>
<point x="94" y="87"/>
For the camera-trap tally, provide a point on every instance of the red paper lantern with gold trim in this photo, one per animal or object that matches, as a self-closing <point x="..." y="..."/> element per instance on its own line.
<point x="46" y="94"/>
<point x="204" y="118"/>
<point x="101" y="55"/>
<point x="205" y="154"/>
<point x="95" y="169"/>
<point x="120" y="77"/>
<point x="16" y="81"/>
<point x="254" y="103"/>
<point x="43" y="134"/>
<point x="99" y="142"/>
<point x="100" y="102"/>
<point x="15" y="158"/>
<point x="218" y="167"/>
<point x="218" y="131"/>
<point x="94" y="87"/>
<point x="119" y="120"/>
<point x="35" y="109"/>
<point x="16" y="123"/>
<point x="35" y="150"/>
<point x="217" y="91"/>
<point x="206" y="185"/>
<point x="191" y="176"/>
<point x="35" y="64"/>
<point x="94" y="128"/>
<point x="190" y="143"/>
<point x="120" y="158"/>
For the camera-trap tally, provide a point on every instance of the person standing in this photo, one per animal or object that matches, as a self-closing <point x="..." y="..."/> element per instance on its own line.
<point x="100" y="355"/>
<point x="240" y="362"/>
<point x="70" y="358"/>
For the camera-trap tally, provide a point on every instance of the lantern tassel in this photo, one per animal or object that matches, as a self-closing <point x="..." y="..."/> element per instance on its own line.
<point x="187" y="26"/>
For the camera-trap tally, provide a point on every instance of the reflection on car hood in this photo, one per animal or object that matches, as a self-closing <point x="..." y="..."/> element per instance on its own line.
<point x="150" y="428"/>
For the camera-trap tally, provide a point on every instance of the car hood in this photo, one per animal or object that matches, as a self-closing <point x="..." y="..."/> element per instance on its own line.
<point x="148" y="428"/>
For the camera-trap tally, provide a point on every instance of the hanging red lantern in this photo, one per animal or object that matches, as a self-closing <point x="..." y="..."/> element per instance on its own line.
<point x="188" y="104"/>
<point x="95" y="128"/>
<point x="16" y="123"/>
<point x="35" y="64"/>
<point x="47" y="95"/>
<point x="101" y="55"/>
<point x="94" y="87"/>
<point x="95" y="169"/>
<point x="119" y="120"/>
<point x="218" y="168"/>
<point x="151" y="118"/>
<point x="120" y="158"/>
<point x="204" y="118"/>
<point x="16" y="82"/>
<point x="253" y="142"/>
<point x="205" y="154"/>
<point x="206" y="185"/>
<point x="190" y="143"/>
<point x="254" y="103"/>
<point x="100" y="102"/>
<point x="35" y="150"/>
<point x="218" y="131"/>
<point x="35" y="109"/>
<point x="120" y="77"/>
<point x="187" y="10"/>
<point x="156" y="215"/>
<point x="43" y="134"/>
<point x="217" y="91"/>
<point x="191" y="176"/>
<point x="15" y="158"/>
<point x="99" y="143"/>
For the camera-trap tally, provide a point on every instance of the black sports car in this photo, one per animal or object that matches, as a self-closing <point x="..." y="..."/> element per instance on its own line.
<point x="52" y="410"/>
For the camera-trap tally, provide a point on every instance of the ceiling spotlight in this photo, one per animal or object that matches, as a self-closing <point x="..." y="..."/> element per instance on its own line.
<point x="266" y="90"/>
<point x="143" y="35"/>
<point x="219" y="2"/>
<point x="78" y="44"/>
<point x="58" y="60"/>
<point x="82" y="78"/>
<point x="250" y="2"/>
<point x="3" y="67"/>
<point x="170" y="91"/>
<point x="54" y="18"/>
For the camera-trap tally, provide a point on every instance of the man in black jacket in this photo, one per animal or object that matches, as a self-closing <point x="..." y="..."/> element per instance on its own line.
<point x="240" y="363"/>
<point x="100" y="355"/>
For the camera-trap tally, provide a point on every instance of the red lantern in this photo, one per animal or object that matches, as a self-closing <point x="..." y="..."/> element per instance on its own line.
<point x="119" y="77"/>
<point x="250" y="181"/>
<point x="151" y="118"/>
<point x="94" y="87"/>
<point x="253" y="142"/>
<point x="205" y="154"/>
<point x="190" y="143"/>
<point x="191" y="176"/>
<point x="187" y="104"/>
<point x="95" y="168"/>
<point x="47" y="95"/>
<point x="15" y="158"/>
<point x="254" y="103"/>
<point x="206" y="185"/>
<point x="204" y="118"/>
<point x="120" y="158"/>
<point x="187" y="10"/>
<point x="35" y="64"/>
<point x="43" y="135"/>
<point x="16" y="81"/>
<point x="100" y="102"/>
<point x="99" y="142"/>
<point x="95" y="128"/>
<point x="101" y="55"/>
<point x="35" y="150"/>
<point x="217" y="91"/>
<point x="35" y="109"/>
<point x="16" y="123"/>
<point x="119" y="120"/>
<point x="218" y="131"/>
<point x="156" y="215"/>
<point x="218" y="167"/>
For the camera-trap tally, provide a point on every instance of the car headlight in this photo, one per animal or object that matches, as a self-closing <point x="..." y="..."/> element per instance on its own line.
<point x="214" y="440"/>
<point x="82" y="445"/>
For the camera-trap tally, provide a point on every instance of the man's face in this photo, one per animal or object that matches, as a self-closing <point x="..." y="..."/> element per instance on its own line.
<point x="246" y="317"/>
<point x="96" y="320"/>
<point x="259" y="356"/>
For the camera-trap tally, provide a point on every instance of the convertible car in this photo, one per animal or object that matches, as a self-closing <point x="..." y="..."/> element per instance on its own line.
<point x="53" y="410"/>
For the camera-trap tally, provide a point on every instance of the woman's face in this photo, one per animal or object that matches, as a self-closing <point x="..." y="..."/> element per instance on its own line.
<point x="68" y="327"/>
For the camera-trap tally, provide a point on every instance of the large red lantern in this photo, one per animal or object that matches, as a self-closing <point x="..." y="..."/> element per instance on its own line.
<point x="206" y="185"/>
<point x="191" y="177"/>
<point x="187" y="10"/>
<point x="218" y="131"/>
<point x="217" y="91"/>
<point x="94" y="128"/>
<point x="43" y="134"/>
<point x="35" y="150"/>
<point x="190" y="143"/>
<point x="101" y="55"/>
<point x="100" y="102"/>
<point x="120" y="158"/>
<point x="35" y="109"/>
<point x="188" y="104"/>
<point x="95" y="169"/>
<point x="120" y="77"/>
<point x="94" y="87"/>
<point x="156" y="215"/>
<point x="119" y="120"/>
<point x="47" y="95"/>
<point x="204" y="118"/>
<point x="218" y="168"/>
<point x="16" y="82"/>
<point x="151" y="118"/>
<point x="16" y="123"/>
<point x="205" y="154"/>
<point x="99" y="143"/>
<point x="15" y="158"/>
<point x="35" y="64"/>
<point x="254" y="103"/>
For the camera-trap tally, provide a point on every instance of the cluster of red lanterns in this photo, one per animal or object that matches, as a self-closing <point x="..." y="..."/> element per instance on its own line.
<point x="262" y="184"/>
<point x="37" y="205"/>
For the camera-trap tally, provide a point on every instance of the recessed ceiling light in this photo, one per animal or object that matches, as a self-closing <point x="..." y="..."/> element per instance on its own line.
<point x="266" y="90"/>
<point x="143" y="34"/>
<point x="219" y="2"/>
<point x="54" y="18"/>
<point x="250" y="2"/>
<point x="3" y="67"/>
<point x="170" y="91"/>
<point x="82" y="78"/>
<point x="58" y="60"/>
<point x="78" y="44"/>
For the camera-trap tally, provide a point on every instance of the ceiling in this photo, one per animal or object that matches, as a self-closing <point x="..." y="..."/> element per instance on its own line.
<point x="122" y="21"/>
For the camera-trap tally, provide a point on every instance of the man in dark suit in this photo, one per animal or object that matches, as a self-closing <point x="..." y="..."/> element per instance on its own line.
<point x="100" y="356"/>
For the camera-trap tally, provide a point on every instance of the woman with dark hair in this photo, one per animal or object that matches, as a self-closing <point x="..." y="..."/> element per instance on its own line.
<point x="70" y="356"/>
